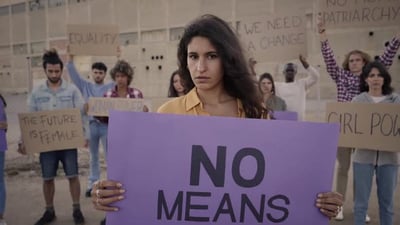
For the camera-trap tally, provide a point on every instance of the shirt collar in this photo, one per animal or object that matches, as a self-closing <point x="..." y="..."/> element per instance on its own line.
<point x="193" y="100"/>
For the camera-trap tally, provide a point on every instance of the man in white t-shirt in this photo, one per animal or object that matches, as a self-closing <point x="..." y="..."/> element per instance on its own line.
<point x="294" y="91"/>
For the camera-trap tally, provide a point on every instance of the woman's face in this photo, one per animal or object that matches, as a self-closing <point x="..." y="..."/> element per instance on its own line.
<point x="177" y="83"/>
<point x="266" y="86"/>
<point x="204" y="64"/>
<point x="374" y="80"/>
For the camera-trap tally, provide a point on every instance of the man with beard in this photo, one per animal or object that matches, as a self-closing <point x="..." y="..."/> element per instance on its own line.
<point x="97" y="130"/>
<point x="56" y="94"/>
<point x="294" y="91"/>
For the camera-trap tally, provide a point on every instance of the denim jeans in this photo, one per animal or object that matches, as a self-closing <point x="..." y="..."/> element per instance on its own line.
<point x="49" y="163"/>
<point x="386" y="180"/>
<point x="98" y="132"/>
<point x="2" y="183"/>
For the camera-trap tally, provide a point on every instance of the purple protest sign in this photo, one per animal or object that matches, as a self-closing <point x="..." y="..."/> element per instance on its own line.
<point x="214" y="170"/>
<point x="3" y="139"/>
<point x="285" y="115"/>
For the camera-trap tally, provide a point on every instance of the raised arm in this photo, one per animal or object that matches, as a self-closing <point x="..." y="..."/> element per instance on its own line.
<point x="313" y="74"/>
<point x="73" y="73"/>
<point x="390" y="51"/>
<point x="252" y="63"/>
<point x="331" y="65"/>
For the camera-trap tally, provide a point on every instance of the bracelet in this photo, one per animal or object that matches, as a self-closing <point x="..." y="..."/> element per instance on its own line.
<point x="321" y="31"/>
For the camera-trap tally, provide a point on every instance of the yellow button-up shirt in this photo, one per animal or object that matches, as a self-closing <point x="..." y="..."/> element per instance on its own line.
<point x="190" y="104"/>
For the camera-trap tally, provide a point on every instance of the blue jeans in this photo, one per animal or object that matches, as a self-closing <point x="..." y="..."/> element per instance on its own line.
<point x="98" y="132"/>
<point x="49" y="162"/>
<point x="2" y="183"/>
<point x="386" y="180"/>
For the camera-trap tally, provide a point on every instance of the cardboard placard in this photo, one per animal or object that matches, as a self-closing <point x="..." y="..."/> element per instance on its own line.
<point x="102" y="106"/>
<point x="357" y="13"/>
<point x="93" y="40"/>
<point x="51" y="130"/>
<point x="366" y="125"/>
<point x="274" y="38"/>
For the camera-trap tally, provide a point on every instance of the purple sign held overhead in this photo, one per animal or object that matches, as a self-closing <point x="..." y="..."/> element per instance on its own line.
<point x="214" y="170"/>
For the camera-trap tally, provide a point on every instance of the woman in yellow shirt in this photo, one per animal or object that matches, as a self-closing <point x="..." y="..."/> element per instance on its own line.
<point x="210" y="57"/>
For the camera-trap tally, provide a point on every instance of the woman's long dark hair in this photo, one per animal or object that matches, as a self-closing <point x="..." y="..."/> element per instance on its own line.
<point x="387" y="79"/>
<point x="237" y="80"/>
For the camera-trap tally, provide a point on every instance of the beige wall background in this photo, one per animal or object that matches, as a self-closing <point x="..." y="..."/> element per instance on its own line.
<point x="150" y="31"/>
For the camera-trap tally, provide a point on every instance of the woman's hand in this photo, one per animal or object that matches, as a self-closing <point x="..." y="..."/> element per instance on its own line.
<point x="329" y="203"/>
<point x="106" y="192"/>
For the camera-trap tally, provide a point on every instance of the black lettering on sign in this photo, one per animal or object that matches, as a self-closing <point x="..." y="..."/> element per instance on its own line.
<point x="274" y="32"/>
<point x="246" y="203"/>
<point x="226" y="209"/>
<point x="272" y="204"/>
<point x="190" y="206"/>
<point x="226" y="201"/>
<point x="362" y="15"/>
<point x="348" y="122"/>
<point x="53" y="136"/>
<point x="57" y="120"/>
<point x="253" y="28"/>
<point x="385" y="124"/>
<point x="217" y="172"/>
<point x="101" y="106"/>
<point x="286" y="22"/>
<point x="258" y="177"/>
<point x="291" y="39"/>
<point x="92" y="38"/>
<point x="162" y="206"/>
<point x="29" y="120"/>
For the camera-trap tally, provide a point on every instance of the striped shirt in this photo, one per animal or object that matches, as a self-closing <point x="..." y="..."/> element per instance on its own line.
<point x="347" y="83"/>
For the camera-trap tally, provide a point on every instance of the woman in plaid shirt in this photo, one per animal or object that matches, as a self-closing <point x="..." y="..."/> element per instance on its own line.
<point x="347" y="79"/>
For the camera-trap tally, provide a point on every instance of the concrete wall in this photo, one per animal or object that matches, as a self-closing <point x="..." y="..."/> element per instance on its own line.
<point x="151" y="29"/>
